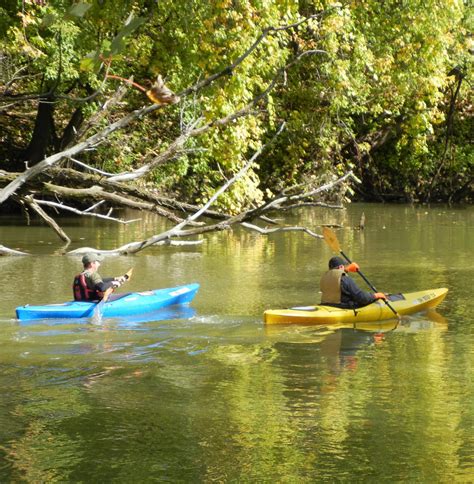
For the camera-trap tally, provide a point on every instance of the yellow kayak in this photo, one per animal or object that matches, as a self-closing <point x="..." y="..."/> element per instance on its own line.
<point x="408" y="303"/>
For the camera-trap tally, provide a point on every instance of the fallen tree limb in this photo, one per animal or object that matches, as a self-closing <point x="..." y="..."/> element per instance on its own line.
<point x="86" y="213"/>
<point x="311" y="204"/>
<point x="178" y="231"/>
<point x="266" y="231"/>
<point x="6" y="251"/>
<point x="100" y="194"/>
<point x="243" y="218"/>
<point x="68" y="176"/>
<point x="96" y="193"/>
<point x="31" y="202"/>
<point x="115" y="252"/>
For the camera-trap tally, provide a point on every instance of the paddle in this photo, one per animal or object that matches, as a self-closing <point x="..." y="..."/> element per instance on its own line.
<point x="97" y="316"/>
<point x="331" y="239"/>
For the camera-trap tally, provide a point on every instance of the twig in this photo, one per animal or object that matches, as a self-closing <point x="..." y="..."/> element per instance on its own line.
<point x="275" y="202"/>
<point x="91" y="168"/>
<point x="92" y="207"/>
<point x="266" y="231"/>
<point x="229" y="69"/>
<point x="84" y="212"/>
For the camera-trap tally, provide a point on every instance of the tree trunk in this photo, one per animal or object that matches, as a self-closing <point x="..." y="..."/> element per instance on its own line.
<point x="43" y="132"/>
<point x="71" y="129"/>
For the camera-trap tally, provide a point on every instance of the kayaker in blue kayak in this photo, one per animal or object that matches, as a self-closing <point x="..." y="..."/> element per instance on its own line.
<point x="341" y="291"/>
<point x="89" y="285"/>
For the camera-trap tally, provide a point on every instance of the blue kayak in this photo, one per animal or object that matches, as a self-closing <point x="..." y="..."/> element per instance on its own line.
<point x="129" y="304"/>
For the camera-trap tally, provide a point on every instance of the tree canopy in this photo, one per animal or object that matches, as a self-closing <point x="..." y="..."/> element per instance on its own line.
<point x="380" y="88"/>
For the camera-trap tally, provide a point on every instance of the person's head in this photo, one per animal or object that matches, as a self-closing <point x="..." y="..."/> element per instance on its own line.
<point x="336" y="263"/>
<point x="91" y="260"/>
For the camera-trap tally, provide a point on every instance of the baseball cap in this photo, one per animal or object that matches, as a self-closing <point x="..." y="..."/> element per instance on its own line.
<point x="336" y="262"/>
<point x="92" y="257"/>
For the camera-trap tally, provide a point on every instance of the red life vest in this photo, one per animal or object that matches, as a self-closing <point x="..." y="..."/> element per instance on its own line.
<point x="81" y="290"/>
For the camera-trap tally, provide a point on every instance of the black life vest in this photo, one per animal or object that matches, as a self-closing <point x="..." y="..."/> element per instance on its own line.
<point x="81" y="290"/>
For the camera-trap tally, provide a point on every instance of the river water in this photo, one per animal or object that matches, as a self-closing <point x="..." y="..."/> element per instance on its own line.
<point x="209" y="393"/>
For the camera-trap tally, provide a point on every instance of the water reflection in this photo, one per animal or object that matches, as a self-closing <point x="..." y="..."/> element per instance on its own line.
<point x="339" y="343"/>
<point x="116" y="338"/>
<point x="135" y="321"/>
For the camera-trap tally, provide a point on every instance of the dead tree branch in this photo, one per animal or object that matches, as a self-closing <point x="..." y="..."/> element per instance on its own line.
<point x="178" y="231"/>
<point x="99" y="194"/>
<point x="162" y="158"/>
<point x="265" y="231"/>
<point x="86" y="212"/>
<point x="6" y="251"/>
<point x="31" y="202"/>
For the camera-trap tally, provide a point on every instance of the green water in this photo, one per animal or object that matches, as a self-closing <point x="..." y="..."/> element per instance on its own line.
<point x="214" y="395"/>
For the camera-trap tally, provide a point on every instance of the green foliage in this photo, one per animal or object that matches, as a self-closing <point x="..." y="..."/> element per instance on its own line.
<point x="374" y="96"/>
<point x="378" y="100"/>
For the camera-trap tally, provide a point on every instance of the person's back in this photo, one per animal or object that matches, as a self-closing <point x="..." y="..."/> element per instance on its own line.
<point x="339" y="290"/>
<point x="330" y="285"/>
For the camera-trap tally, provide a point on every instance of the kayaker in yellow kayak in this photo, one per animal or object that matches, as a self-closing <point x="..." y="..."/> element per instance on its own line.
<point x="89" y="285"/>
<point x="340" y="290"/>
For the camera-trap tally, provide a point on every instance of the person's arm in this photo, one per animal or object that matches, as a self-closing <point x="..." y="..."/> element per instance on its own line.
<point x="354" y="293"/>
<point x="116" y="281"/>
<point x="102" y="284"/>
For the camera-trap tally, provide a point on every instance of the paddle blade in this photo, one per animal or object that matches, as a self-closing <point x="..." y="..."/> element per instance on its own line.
<point x="97" y="315"/>
<point x="331" y="239"/>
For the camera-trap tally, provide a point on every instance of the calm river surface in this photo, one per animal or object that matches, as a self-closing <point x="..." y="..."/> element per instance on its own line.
<point x="213" y="394"/>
